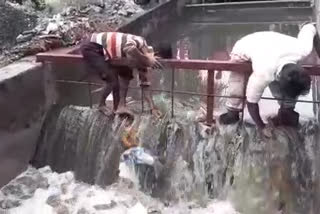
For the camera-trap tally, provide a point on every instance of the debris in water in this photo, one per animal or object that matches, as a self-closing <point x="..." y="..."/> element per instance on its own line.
<point x="113" y="199"/>
<point x="137" y="155"/>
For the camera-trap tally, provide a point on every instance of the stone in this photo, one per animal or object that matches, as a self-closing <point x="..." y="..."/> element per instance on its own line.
<point x="83" y="211"/>
<point x="24" y="38"/>
<point x="52" y="28"/>
<point x="25" y="180"/>
<point x="62" y="209"/>
<point x="96" y="9"/>
<point x="123" y="12"/>
<point x="152" y="210"/>
<point x="54" y="200"/>
<point x="8" y="204"/>
<point x="111" y="205"/>
<point x="12" y="189"/>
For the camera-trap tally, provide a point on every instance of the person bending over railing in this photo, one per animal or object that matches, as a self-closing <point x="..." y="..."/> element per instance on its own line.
<point x="275" y="61"/>
<point x="102" y="47"/>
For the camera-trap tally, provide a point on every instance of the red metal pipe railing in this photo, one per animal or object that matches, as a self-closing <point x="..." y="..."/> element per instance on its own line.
<point x="210" y="65"/>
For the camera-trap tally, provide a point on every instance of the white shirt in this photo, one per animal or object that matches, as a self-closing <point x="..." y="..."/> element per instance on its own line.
<point x="268" y="52"/>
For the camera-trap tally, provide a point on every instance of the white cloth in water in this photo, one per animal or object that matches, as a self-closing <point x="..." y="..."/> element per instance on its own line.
<point x="137" y="155"/>
<point x="269" y="52"/>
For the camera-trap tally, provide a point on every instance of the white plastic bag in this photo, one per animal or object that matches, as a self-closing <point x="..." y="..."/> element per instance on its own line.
<point x="137" y="155"/>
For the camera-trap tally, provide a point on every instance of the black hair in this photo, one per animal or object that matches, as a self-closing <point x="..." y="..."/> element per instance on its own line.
<point x="294" y="81"/>
<point x="164" y="50"/>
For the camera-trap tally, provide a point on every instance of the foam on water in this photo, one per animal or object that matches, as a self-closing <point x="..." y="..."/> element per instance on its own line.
<point x="42" y="191"/>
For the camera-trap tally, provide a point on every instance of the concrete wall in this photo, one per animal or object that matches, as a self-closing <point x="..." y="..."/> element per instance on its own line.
<point x="156" y="23"/>
<point x="26" y="93"/>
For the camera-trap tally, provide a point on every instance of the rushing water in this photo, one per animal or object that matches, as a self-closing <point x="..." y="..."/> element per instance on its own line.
<point x="42" y="191"/>
<point x="204" y="169"/>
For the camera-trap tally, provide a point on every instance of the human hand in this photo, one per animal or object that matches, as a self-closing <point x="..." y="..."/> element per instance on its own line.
<point x="156" y="64"/>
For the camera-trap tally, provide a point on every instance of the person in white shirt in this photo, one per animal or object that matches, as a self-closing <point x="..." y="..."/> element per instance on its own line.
<point x="275" y="61"/>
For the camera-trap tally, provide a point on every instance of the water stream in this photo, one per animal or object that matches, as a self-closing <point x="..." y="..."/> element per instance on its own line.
<point x="205" y="170"/>
<point x="219" y="170"/>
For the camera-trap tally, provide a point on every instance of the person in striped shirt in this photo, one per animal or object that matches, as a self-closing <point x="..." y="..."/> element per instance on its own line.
<point x="101" y="47"/>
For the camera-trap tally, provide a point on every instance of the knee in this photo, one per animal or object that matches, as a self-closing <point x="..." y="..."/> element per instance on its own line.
<point x="115" y="84"/>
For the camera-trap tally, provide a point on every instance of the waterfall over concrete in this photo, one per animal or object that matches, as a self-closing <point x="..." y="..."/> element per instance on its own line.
<point x="200" y="163"/>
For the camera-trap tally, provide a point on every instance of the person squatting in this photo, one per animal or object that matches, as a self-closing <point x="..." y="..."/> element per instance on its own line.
<point x="100" y="48"/>
<point x="275" y="59"/>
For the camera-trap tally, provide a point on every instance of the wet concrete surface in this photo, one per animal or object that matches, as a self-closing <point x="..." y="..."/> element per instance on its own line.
<point x="26" y="93"/>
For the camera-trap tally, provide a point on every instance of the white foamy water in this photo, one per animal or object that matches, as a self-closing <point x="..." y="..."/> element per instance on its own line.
<point x="42" y="191"/>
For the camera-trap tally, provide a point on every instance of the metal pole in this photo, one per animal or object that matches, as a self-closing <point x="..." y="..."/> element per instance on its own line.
<point x="245" y="80"/>
<point x="142" y="99"/>
<point x="210" y="99"/>
<point x="172" y="91"/>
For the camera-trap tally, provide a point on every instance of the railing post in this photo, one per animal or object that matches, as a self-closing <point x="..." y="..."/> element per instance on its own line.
<point x="142" y="99"/>
<point x="210" y="97"/>
<point x="172" y="91"/>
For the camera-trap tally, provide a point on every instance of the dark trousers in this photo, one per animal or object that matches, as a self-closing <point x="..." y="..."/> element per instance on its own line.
<point x="96" y="61"/>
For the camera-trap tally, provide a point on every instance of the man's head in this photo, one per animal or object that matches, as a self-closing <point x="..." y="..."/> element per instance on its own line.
<point x="164" y="50"/>
<point x="294" y="81"/>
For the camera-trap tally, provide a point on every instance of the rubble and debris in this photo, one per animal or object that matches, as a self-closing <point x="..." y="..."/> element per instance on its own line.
<point x="67" y="27"/>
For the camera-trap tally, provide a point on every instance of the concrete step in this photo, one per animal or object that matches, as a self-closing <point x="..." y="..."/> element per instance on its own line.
<point x="249" y="12"/>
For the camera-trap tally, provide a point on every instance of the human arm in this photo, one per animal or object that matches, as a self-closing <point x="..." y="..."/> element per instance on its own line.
<point x="255" y="89"/>
<point x="140" y="57"/>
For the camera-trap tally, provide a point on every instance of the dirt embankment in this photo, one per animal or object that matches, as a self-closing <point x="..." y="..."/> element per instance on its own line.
<point x="27" y="31"/>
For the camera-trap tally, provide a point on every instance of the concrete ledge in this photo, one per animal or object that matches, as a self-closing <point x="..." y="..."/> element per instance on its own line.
<point x="154" y="24"/>
<point x="26" y="93"/>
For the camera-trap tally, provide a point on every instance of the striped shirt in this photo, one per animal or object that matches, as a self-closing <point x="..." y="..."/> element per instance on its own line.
<point x="116" y="44"/>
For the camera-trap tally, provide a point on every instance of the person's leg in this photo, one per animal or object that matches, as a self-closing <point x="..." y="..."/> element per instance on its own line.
<point x="125" y="75"/>
<point x="286" y="114"/>
<point x="95" y="59"/>
<point x="236" y="84"/>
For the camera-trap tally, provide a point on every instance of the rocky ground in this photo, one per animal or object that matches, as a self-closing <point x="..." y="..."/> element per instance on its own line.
<point x="27" y="31"/>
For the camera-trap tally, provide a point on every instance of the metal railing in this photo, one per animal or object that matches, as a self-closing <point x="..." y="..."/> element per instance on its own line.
<point x="210" y="65"/>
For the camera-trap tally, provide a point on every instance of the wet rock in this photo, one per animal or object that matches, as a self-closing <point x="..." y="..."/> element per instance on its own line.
<point x="111" y="205"/>
<point x="83" y="211"/>
<point x="43" y="184"/>
<point x="25" y="180"/>
<point x="62" y="209"/>
<point x="54" y="200"/>
<point x="25" y="197"/>
<point x="24" y="38"/>
<point x="8" y="204"/>
<point x="152" y="210"/>
<point x="123" y="13"/>
<point x="12" y="189"/>
<point x="69" y="11"/>
<point x="71" y="201"/>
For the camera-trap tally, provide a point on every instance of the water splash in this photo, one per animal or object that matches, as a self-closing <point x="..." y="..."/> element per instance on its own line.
<point x="200" y="163"/>
<point x="61" y="193"/>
